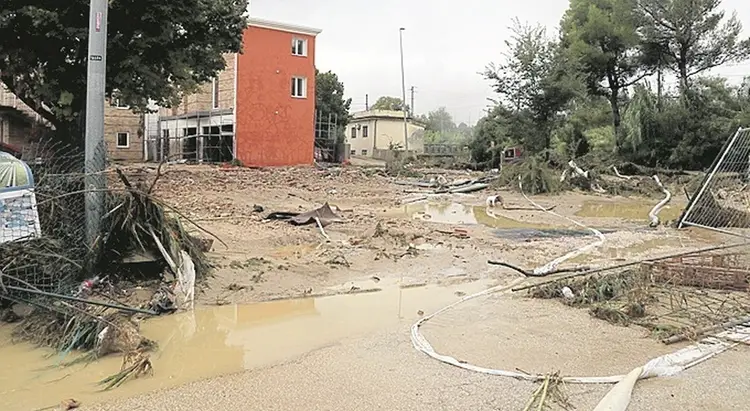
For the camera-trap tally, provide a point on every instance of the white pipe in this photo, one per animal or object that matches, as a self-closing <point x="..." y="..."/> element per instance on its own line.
<point x="575" y="253"/>
<point x="666" y="365"/>
<point x="617" y="173"/>
<point x="653" y="215"/>
<point x="618" y="398"/>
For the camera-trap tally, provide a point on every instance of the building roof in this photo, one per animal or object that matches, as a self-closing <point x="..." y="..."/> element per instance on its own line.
<point x="290" y="28"/>
<point x="382" y="115"/>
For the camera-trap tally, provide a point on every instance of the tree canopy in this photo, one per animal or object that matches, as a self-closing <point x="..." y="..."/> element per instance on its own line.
<point x="329" y="97"/>
<point x="389" y="103"/>
<point x="156" y="50"/>
<point x="592" y="92"/>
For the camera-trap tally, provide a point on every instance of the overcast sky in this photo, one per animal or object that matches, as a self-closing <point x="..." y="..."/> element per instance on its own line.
<point x="446" y="43"/>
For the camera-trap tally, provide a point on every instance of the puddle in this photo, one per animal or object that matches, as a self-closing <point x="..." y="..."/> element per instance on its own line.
<point x="628" y="210"/>
<point x="215" y="341"/>
<point x="459" y="214"/>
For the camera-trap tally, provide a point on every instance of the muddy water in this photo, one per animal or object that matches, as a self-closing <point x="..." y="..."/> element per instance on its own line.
<point x="628" y="210"/>
<point x="214" y="341"/>
<point x="460" y="214"/>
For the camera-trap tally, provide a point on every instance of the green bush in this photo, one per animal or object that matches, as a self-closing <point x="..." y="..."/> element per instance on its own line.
<point x="535" y="174"/>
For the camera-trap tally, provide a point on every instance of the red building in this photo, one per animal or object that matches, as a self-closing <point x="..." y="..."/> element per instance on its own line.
<point x="259" y="110"/>
<point x="275" y="108"/>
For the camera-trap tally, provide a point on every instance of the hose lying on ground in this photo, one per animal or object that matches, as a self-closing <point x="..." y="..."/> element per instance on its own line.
<point x="618" y="398"/>
<point x="550" y="266"/>
<point x="653" y="215"/>
<point x="666" y="365"/>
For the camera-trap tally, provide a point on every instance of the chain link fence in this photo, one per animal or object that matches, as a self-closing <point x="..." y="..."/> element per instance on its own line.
<point x="722" y="202"/>
<point x="47" y="250"/>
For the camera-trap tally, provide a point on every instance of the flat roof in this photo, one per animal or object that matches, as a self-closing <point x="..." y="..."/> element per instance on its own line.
<point x="383" y="115"/>
<point x="290" y="28"/>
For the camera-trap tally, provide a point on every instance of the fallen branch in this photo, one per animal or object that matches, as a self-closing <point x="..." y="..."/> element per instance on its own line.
<point x="81" y="300"/>
<point x="531" y="273"/>
<point x="550" y="208"/>
<point x="653" y="215"/>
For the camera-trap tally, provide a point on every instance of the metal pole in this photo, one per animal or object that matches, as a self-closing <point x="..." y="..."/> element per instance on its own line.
<point x="403" y="87"/>
<point x="411" y="106"/>
<point x="94" y="140"/>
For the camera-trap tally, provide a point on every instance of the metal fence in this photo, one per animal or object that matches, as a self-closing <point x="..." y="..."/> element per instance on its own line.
<point x="722" y="202"/>
<point x="53" y="257"/>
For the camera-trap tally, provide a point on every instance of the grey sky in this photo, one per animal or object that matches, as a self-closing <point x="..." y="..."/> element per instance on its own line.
<point x="446" y="43"/>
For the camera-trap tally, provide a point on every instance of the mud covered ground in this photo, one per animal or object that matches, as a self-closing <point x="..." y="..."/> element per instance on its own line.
<point x="355" y="347"/>
<point x="384" y="238"/>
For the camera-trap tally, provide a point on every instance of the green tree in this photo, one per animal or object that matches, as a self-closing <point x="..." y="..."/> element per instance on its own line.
<point x="519" y="78"/>
<point x="602" y="37"/>
<point x="329" y="97"/>
<point x="156" y="50"/>
<point x="694" y="35"/>
<point x="439" y="120"/>
<point x="534" y="83"/>
<point x="389" y="103"/>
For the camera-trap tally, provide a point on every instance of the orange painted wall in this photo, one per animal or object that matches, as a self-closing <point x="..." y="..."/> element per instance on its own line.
<point x="273" y="128"/>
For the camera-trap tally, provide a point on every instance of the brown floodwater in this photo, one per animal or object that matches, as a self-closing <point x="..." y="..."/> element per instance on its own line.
<point x="213" y="341"/>
<point x="628" y="210"/>
<point x="461" y="214"/>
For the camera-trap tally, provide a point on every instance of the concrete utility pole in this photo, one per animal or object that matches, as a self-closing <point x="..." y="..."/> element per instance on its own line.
<point x="95" y="89"/>
<point x="411" y="106"/>
<point x="403" y="87"/>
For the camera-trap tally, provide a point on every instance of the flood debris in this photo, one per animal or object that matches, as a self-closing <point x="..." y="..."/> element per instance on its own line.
<point x="550" y="391"/>
<point x="672" y="309"/>
<point x="134" y="364"/>
<point x="323" y="215"/>
<point x="441" y="185"/>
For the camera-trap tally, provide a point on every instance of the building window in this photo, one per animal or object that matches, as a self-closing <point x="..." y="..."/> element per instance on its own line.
<point x="364" y="152"/>
<point x="354" y="132"/>
<point x="123" y="140"/>
<point x="353" y="153"/>
<point x="299" y="87"/>
<point x="364" y="131"/>
<point x="215" y="93"/>
<point x="509" y="153"/>
<point x="299" y="47"/>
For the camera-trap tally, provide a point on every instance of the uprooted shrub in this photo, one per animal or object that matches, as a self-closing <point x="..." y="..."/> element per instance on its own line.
<point x="135" y="221"/>
<point x="535" y="174"/>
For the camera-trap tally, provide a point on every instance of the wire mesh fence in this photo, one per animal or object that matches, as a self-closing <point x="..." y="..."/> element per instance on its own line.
<point x="722" y="202"/>
<point x="44" y="246"/>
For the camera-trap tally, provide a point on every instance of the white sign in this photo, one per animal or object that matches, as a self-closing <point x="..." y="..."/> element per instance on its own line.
<point x="18" y="215"/>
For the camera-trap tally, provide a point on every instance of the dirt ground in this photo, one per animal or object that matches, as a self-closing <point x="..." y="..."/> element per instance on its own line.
<point x="257" y="259"/>
<point x="388" y="238"/>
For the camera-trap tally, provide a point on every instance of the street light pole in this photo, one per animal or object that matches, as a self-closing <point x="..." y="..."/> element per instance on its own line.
<point x="403" y="88"/>
<point x="94" y="139"/>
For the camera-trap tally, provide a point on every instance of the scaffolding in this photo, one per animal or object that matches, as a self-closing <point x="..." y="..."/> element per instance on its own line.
<point x="196" y="137"/>
<point x="327" y="147"/>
